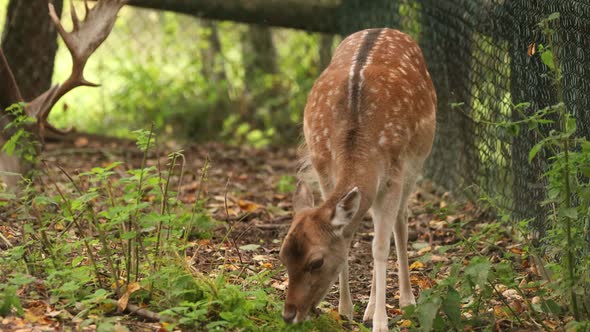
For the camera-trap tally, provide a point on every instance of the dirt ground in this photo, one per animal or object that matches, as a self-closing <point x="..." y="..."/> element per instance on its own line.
<point x="241" y="192"/>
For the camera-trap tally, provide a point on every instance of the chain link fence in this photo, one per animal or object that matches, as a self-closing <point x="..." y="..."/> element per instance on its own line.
<point x="477" y="55"/>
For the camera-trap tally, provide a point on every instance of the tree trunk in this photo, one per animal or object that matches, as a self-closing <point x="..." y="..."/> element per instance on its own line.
<point x="311" y="15"/>
<point x="29" y="42"/>
<point x="260" y="60"/>
<point x="211" y="55"/>
<point x="213" y="70"/>
<point x="326" y="42"/>
<point x="9" y="94"/>
<point x="259" y="54"/>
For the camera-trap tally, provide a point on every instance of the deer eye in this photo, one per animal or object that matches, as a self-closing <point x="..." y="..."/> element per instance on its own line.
<point x="316" y="264"/>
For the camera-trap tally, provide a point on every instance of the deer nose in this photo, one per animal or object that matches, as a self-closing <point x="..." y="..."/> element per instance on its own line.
<point x="289" y="313"/>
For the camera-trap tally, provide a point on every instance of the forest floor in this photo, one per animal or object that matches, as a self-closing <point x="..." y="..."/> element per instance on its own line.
<point x="247" y="191"/>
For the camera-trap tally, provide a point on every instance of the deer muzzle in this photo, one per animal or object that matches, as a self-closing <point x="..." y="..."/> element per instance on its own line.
<point x="289" y="313"/>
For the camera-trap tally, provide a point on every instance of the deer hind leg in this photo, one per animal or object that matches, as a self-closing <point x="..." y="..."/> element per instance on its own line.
<point x="400" y="235"/>
<point x="385" y="209"/>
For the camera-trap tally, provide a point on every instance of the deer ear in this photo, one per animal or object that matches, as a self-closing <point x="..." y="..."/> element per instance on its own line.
<point x="347" y="208"/>
<point x="303" y="197"/>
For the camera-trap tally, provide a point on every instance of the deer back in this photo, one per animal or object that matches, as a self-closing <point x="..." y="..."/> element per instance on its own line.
<point x="374" y="105"/>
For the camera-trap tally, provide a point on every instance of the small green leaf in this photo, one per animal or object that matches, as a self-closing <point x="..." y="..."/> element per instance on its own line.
<point x="7" y="196"/>
<point x="553" y="16"/>
<point x="478" y="270"/>
<point x="451" y="306"/>
<point x="570" y="213"/>
<point x="427" y="312"/>
<point x="571" y="125"/>
<point x="535" y="150"/>
<point x="547" y="58"/>
<point x="548" y="306"/>
<point x="128" y="235"/>
<point x="513" y="130"/>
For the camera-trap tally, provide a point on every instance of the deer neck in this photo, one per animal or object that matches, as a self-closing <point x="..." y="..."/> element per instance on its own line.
<point x="366" y="180"/>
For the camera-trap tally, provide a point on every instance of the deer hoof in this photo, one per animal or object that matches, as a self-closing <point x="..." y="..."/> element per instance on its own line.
<point x="407" y="300"/>
<point x="380" y="326"/>
<point x="369" y="312"/>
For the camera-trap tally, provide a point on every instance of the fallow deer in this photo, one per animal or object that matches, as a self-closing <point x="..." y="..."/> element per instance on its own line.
<point x="369" y="124"/>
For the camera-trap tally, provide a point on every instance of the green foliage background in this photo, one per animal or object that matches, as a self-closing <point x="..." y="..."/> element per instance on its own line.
<point x="150" y="69"/>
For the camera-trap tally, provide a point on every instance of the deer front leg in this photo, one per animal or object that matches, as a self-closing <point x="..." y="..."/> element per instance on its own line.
<point x="345" y="307"/>
<point x="371" y="305"/>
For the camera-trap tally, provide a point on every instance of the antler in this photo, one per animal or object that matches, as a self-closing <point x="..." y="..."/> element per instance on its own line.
<point x="85" y="38"/>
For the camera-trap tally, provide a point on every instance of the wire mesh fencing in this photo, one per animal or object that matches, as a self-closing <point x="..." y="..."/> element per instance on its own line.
<point x="478" y="55"/>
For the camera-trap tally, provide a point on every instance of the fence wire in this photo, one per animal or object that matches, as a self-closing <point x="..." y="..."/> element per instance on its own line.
<point x="477" y="54"/>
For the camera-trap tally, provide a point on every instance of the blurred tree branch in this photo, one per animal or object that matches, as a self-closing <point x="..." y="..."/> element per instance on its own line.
<point x="318" y="16"/>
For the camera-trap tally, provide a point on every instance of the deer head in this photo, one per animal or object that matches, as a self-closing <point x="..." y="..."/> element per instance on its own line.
<point x="315" y="249"/>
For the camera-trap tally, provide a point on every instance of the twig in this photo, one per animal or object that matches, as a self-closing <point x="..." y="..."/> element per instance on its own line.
<point x="272" y="226"/>
<point x="8" y="244"/>
<point x="505" y="302"/>
<point x="143" y="312"/>
<point x="189" y="227"/>
<point x="181" y="155"/>
<point x="139" y="311"/>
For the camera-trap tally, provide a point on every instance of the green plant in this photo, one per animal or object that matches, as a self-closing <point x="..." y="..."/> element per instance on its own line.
<point x="286" y="184"/>
<point x="21" y="142"/>
<point x="565" y="246"/>
<point x="568" y="189"/>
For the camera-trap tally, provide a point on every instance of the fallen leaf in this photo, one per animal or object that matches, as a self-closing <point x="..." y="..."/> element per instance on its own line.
<point x="499" y="312"/>
<point x="250" y="247"/>
<point x="420" y="245"/>
<point x="438" y="258"/>
<point x="552" y="325"/>
<point x="81" y="142"/>
<point x="416" y="265"/>
<point x="280" y="285"/>
<point x="248" y="206"/>
<point x="532" y="49"/>
<point x="204" y="242"/>
<point x="333" y="313"/>
<point x="231" y="267"/>
<point x="404" y="323"/>
<point x="396" y="312"/>
<point x="512" y="294"/>
<point x="122" y="302"/>
<point x="424" y="250"/>
<point x="517" y="306"/>
<point x="423" y="282"/>
<point x="261" y="258"/>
